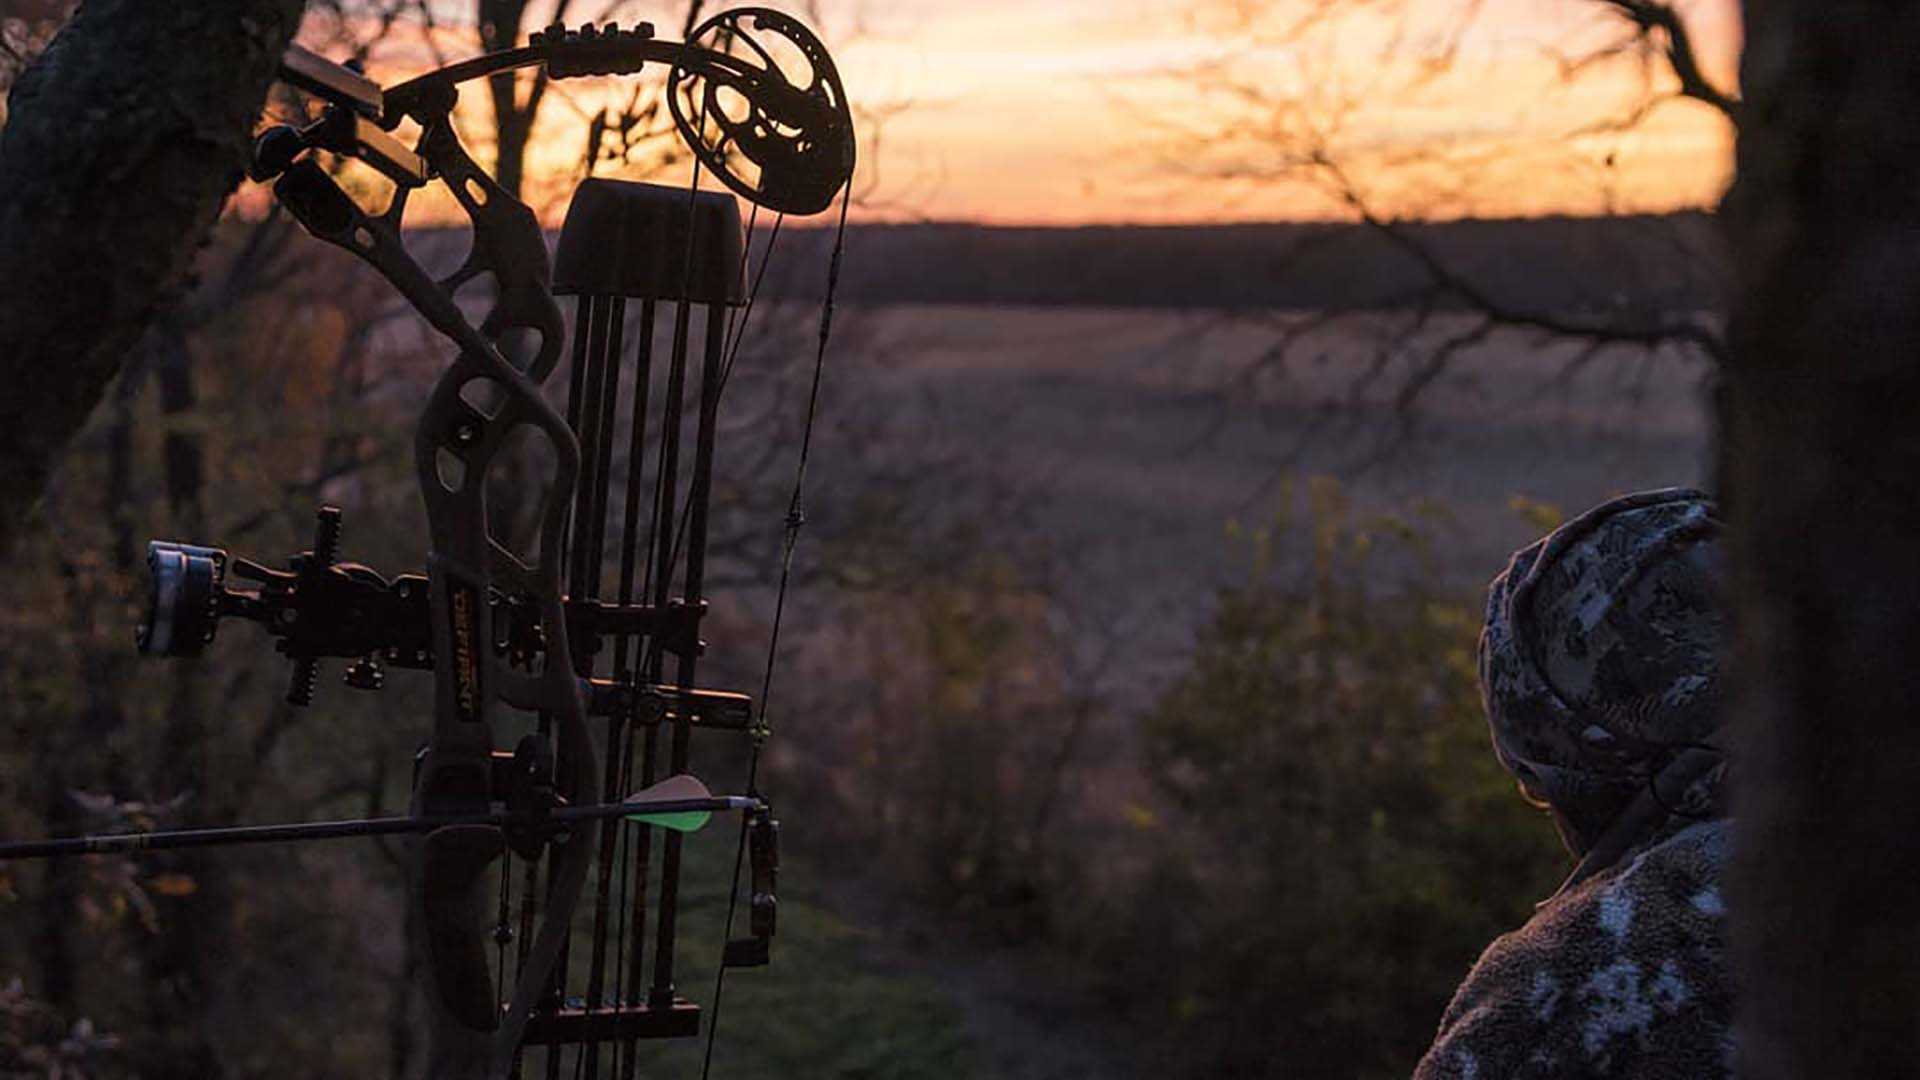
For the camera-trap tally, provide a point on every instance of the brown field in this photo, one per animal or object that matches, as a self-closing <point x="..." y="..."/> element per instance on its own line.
<point x="1130" y="445"/>
<point x="1134" y="446"/>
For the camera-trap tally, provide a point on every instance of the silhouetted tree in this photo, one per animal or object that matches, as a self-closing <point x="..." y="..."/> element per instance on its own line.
<point x="114" y="162"/>
<point x="1820" y="457"/>
<point x="1285" y="106"/>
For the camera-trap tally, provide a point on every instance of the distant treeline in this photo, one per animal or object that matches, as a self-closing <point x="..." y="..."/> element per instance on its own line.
<point x="1668" y="262"/>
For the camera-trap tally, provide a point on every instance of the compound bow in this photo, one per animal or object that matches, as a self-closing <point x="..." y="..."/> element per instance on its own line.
<point x="508" y="635"/>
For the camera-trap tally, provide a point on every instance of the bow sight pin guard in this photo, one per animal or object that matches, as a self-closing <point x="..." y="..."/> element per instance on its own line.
<point x="183" y="599"/>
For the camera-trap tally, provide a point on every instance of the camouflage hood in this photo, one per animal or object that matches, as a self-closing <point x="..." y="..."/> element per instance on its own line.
<point x="1624" y="978"/>
<point x="1599" y="667"/>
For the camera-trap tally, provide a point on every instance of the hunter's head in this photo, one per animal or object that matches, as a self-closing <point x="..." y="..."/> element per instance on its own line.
<point x="1599" y="663"/>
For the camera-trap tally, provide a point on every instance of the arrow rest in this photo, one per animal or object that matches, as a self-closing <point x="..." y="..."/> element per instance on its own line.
<point x="530" y="796"/>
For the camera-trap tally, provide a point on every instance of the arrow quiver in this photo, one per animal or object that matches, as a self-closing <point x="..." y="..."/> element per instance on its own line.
<point x="581" y="648"/>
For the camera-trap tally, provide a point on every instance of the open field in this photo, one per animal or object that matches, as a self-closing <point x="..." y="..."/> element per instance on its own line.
<point x="1134" y="445"/>
<point x="1130" y="440"/>
<point x="1105" y="447"/>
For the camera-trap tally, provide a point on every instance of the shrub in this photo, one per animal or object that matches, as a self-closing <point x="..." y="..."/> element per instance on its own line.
<point x="1337" y="842"/>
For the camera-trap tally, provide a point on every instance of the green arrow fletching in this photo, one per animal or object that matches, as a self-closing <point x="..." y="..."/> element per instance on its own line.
<point x="686" y="821"/>
<point x="674" y="788"/>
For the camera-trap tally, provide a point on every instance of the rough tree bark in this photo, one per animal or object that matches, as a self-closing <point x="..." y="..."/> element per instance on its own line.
<point x="122" y="141"/>
<point x="1820" y="457"/>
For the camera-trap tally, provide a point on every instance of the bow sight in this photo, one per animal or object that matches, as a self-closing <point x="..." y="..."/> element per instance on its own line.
<point x="535" y="637"/>
<point x="321" y="608"/>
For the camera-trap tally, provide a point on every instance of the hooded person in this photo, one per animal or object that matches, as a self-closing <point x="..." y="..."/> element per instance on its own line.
<point x="1599" y="667"/>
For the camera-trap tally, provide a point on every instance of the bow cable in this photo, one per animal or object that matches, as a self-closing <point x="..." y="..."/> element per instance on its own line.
<point x="796" y="517"/>
<point x="737" y="333"/>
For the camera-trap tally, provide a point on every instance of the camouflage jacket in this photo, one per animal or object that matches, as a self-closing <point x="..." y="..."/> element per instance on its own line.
<point x="1620" y="977"/>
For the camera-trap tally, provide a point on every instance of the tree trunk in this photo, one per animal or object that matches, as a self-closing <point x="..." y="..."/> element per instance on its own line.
<point x="513" y="128"/>
<point x="513" y="116"/>
<point x="122" y="141"/>
<point x="1820" y="459"/>
<point x="184" y="955"/>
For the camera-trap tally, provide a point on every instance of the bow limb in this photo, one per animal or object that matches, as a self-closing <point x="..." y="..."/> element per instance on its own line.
<point x="568" y="54"/>
<point x="732" y="109"/>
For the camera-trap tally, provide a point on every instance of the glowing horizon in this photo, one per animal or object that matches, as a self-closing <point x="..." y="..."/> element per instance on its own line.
<point x="1082" y="112"/>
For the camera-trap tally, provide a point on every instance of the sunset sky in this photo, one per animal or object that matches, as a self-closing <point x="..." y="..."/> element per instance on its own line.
<point x="1091" y="111"/>
<point x="1059" y="112"/>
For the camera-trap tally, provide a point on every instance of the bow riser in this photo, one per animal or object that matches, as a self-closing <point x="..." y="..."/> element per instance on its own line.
<point x="455" y="447"/>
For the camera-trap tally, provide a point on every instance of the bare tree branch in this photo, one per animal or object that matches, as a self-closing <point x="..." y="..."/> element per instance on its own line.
<point x="1609" y="331"/>
<point x="1655" y="15"/>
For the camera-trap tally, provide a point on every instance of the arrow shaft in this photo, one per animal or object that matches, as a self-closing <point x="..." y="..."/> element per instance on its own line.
<point x="130" y="843"/>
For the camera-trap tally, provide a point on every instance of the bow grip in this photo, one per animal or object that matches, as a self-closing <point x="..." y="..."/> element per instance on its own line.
<point x="451" y="897"/>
